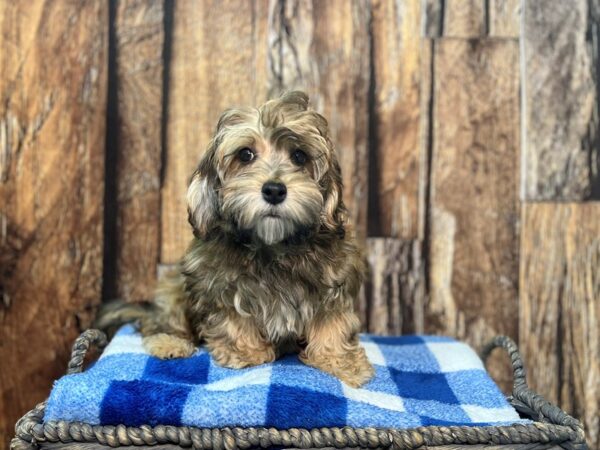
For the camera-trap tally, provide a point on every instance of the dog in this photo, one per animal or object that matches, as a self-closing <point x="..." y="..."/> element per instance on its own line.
<point x="273" y="267"/>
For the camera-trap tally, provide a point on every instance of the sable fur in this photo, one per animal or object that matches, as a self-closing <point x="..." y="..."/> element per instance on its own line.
<point x="259" y="280"/>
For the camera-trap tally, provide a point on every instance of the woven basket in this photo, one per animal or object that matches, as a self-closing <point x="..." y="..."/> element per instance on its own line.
<point x="552" y="427"/>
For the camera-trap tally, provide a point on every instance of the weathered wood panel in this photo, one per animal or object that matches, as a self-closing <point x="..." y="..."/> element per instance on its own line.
<point x="471" y="19"/>
<point x="433" y="18"/>
<point x="454" y="18"/>
<point x="132" y="210"/>
<point x="395" y="288"/>
<point x="52" y="126"/>
<point x="473" y="248"/>
<point x="560" y="311"/>
<point x="218" y="60"/>
<point x="323" y="48"/>
<point x="504" y="18"/>
<point x="395" y="209"/>
<point x="464" y="18"/>
<point x="558" y="102"/>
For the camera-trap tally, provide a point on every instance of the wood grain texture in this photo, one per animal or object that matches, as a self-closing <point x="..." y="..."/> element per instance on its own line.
<point x="558" y="102"/>
<point x="395" y="288"/>
<point x="560" y="312"/>
<point x="52" y="126"/>
<point x="395" y="208"/>
<point x="323" y="48"/>
<point x="464" y="18"/>
<point x="474" y="213"/>
<point x="132" y="214"/>
<point x="467" y="19"/>
<point x="218" y="61"/>
<point x="432" y="18"/>
<point x="504" y="18"/>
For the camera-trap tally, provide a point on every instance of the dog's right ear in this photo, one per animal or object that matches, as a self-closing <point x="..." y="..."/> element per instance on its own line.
<point x="202" y="197"/>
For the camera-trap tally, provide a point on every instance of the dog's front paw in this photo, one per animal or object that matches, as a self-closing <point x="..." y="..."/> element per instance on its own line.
<point x="167" y="346"/>
<point x="358" y="372"/>
<point x="234" y="358"/>
<point x="353" y="368"/>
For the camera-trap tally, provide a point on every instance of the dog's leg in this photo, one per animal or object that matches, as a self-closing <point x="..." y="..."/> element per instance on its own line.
<point x="167" y="336"/>
<point x="332" y="346"/>
<point x="167" y="346"/>
<point x="167" y="332"/>
<point x="236" y="342"/>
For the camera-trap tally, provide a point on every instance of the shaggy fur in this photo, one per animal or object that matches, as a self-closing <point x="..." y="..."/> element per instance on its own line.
<point x="263" y="279"/>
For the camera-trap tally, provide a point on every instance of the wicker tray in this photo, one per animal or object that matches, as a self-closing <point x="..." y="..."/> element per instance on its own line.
<point x="552" y="427"/>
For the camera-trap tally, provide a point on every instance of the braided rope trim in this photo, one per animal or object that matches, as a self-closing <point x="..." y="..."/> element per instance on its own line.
<point x="555" y="428"/>
<point x="524" y="399"/>
<point x="81" y="346"/>
<point x="31" y="431"/>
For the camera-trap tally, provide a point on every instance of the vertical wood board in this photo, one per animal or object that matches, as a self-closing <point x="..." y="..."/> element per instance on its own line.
<point x="53" y="82"/>
<point x="395" y="152"/>
<point x="323" y="49"/>
<point x="474" y="211"/>
<point x="464" y="18"/>
<point x="558" y="101"/>
<point x="559" y="307"/>
<point x="432" y="18"/>
<point x="504" y="18"/>
<point x="134" y="151"/>
<point x="218" y="61"/>
<point x="395" y="288"/>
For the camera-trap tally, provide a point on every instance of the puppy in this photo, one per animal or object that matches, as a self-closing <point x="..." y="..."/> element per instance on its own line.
<point x="273" y="267"/>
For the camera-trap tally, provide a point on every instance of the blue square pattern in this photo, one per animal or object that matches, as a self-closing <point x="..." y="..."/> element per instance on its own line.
<point x="294" y="407"/>
<point x="291" y="372"/>
<point x="419" y="380"/>
<point x="424" y="386"/>
<point x="131" y="367"/>
<point x="220" y="373"/>
<point x="406" y="353"/>
<point x="462" y="384"/>
<point x="72" y="399"/>
<point x="192" y="370"/>
<point x="143" y="402"/>
<point x="244" y="406"/>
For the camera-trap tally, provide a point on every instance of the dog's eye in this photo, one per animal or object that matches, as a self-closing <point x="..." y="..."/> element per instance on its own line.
<point x="299" y="157"/>
<point x="246" y="154"/>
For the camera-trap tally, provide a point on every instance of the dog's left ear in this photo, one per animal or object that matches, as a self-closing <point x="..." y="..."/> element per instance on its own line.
<point x="334" y="213"/>
<point x="202" y="197"/>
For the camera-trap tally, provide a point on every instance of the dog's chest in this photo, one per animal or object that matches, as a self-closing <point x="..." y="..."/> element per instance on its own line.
<point x="281" y="302"/>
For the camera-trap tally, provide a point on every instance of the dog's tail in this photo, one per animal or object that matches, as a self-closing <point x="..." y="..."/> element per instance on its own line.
<point x="114" y="314"/>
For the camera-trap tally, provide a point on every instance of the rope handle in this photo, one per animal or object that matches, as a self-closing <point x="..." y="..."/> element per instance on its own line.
<point x="82" y="345"/>
<point x="519" y="373"/>
<point x="524" y="399"/>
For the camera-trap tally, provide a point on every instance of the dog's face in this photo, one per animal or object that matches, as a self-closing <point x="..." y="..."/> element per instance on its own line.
<point x="270" y="173"/>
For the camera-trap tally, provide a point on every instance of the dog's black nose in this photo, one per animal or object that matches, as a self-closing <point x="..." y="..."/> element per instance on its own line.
<point x="273" y="192"/>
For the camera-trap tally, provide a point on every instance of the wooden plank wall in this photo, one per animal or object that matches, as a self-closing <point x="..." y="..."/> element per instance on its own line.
<point x="467" y="133"/>
<point x="52" y="127"/>
<point x="560" y="187"/>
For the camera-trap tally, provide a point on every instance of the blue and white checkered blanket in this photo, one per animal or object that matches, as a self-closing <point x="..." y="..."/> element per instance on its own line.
<point x="419" y="380"/>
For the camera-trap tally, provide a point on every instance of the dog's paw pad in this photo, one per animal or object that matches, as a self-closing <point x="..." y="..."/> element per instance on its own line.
<point x="167" y="346"/>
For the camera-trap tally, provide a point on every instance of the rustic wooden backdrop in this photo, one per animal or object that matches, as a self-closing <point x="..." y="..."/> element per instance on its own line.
<point x="467" y="132"/>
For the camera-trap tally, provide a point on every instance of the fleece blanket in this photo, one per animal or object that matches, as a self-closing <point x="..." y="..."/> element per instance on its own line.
<point x="419" y="380"/>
